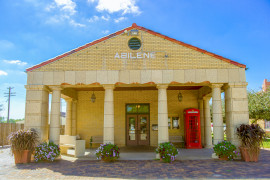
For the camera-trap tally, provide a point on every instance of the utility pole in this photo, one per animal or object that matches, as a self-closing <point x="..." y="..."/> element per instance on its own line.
<point x="8" y="95"/>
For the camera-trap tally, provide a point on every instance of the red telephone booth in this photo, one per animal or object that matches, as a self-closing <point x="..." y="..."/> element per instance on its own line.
<point x="192" y="129"/>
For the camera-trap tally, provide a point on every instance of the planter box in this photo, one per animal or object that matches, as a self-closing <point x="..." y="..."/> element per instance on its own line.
<point x="248" y="155"/>
<point x="22" y="156"/>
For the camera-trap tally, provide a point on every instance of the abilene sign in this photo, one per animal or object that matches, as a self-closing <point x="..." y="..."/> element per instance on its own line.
<point x="138" y="55"/>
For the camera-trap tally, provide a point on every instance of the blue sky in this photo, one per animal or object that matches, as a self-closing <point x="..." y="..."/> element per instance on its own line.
<point x="33" y="31"/>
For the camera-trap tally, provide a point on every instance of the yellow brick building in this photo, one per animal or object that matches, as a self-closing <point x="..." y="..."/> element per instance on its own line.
<point x="135" y="77"/>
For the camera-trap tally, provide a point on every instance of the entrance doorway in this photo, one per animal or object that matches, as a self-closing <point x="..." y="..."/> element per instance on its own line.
<point x="137" y="124"/>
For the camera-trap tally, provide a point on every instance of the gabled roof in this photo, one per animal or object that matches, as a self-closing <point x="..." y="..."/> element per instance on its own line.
<point x="134" y="25"/>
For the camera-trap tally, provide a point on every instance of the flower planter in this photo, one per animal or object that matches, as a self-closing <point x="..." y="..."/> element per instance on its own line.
<point x="224" y="158"/>
<point x="248" y="155"/>
<point x="23" y="156"/>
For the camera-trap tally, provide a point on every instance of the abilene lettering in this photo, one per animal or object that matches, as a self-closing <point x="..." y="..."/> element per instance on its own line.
<point x="138" y="55"/>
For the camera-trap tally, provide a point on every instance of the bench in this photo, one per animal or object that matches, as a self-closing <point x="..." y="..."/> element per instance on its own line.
<point x="177" y="139"/>
<point x="70" y="142"/>
<point x="96" y="139"/>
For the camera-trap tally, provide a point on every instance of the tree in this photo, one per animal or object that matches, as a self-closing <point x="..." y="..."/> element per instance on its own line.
<point x="259" y="105"/>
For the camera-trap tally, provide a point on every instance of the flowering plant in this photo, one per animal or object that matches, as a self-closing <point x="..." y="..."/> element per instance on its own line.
<point x="167" y="152"/>
<point x="108" y="152"/>
<point x="225" y="149"/>
<point x="47" y="152"/>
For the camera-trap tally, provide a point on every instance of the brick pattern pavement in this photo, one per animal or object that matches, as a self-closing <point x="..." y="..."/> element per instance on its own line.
<point x="150" y="169"/>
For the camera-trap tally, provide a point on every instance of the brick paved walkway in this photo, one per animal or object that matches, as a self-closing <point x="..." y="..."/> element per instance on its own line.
<point x="149" y="169"/>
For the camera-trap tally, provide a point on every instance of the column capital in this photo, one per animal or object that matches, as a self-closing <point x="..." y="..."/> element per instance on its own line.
<point x="206" y="98"/>
<point x="216" y="85"/>
<point x="235" y="85"/>
<point x="56" y="88"/>
<point x="37" y="87"/>
<point x="108" y="86"/>
<point x="68" y="100"/>
<point x="162" y="86"/>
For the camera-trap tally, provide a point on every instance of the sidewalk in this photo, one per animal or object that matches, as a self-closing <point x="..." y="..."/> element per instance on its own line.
<point x="136" y="169"/>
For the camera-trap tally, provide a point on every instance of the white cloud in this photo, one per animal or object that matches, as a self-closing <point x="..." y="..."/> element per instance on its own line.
<point x="124" y="6"/>
<point x="66" y="5"/>
<point x="17" y="62"/>
<point x="107" y="18"/>
<point x="117" y="20"/>
<point x="3" y="73"/>
<point x="105" y="32"/>
<point x="93" y="19"/>
<point x="74" y="23"/>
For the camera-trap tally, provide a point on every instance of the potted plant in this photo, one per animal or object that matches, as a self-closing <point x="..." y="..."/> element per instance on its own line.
<point x="167" y="152"/>
<point x="108" y="152"/>
<point x="225" y="150"/>
<point x="47" y="152"/>
<point x="23" y="143"/>
<point x="251" y="137"/>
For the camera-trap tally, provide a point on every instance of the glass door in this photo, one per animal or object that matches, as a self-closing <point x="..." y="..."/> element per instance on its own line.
<point x="143" y="130"/>
<point x="132" y="138"/>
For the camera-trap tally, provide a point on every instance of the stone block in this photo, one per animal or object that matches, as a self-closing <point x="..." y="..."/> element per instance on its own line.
<point x="211" y="75"/>
<point x="157" y="76"/>
<point x="38" y="78"/>
<point x="33" y="95"/>
<point x="48" y="78"/>
<point x="242" y="74"/>
<point x="241" y="105"/>
<point x="70" y="77"/>
<point x="124" y="77"/>
<point x="200" y="75"/>
<point x="58" y="77"/>
<point x="33" y="107"/>
<point x="80" y="77"/>
<point x="234" y="75"/>
<point x="113" y="77"/>
<point x="30" y="76"/>
<point x="135" y="76"/>
<point x="190" y="75"/>
<point x="239" y="93"/>
<point x="146" y="76"/>
<point x="223" y="76"/>
<point x="33" y="120"/>
<point x="179" y="76"/>
<point x="102" y="77"/>
<point x="167" y="76"/>
<point x="91" y="77"/>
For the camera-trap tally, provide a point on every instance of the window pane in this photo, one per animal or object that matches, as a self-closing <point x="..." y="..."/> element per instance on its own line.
<point x="143" y="108"/>
<point x="131" y="108"/>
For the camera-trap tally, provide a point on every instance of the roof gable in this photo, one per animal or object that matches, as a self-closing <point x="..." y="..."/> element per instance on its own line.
<point x="134" y="26"/>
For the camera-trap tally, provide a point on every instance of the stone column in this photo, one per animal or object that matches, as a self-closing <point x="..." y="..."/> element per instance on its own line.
<point x="217" y="113"/>
<point x="163" y="132"/>
<point x="207" y="117"/>
<point x="36" y="110"/>
<point x="68" y="116"/>
<point x="200" y="101"/>
<point x="74" y="118"/>
<point x="236" y="109"/>
<point x="55" y="115"/>
<point x="108" y="132"/>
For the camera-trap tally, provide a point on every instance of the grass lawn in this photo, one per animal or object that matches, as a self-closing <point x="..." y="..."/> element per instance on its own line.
<point x="266" y="143"/>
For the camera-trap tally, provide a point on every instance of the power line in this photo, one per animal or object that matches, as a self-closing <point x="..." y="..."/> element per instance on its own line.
<point x="8" y="95"/>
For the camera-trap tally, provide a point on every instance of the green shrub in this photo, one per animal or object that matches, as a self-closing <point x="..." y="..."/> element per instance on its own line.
<point x="108" y="152"/>
<point x="225" y="149"/>
<point x="167" y="152"/>
<point x="47" y="152"/>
